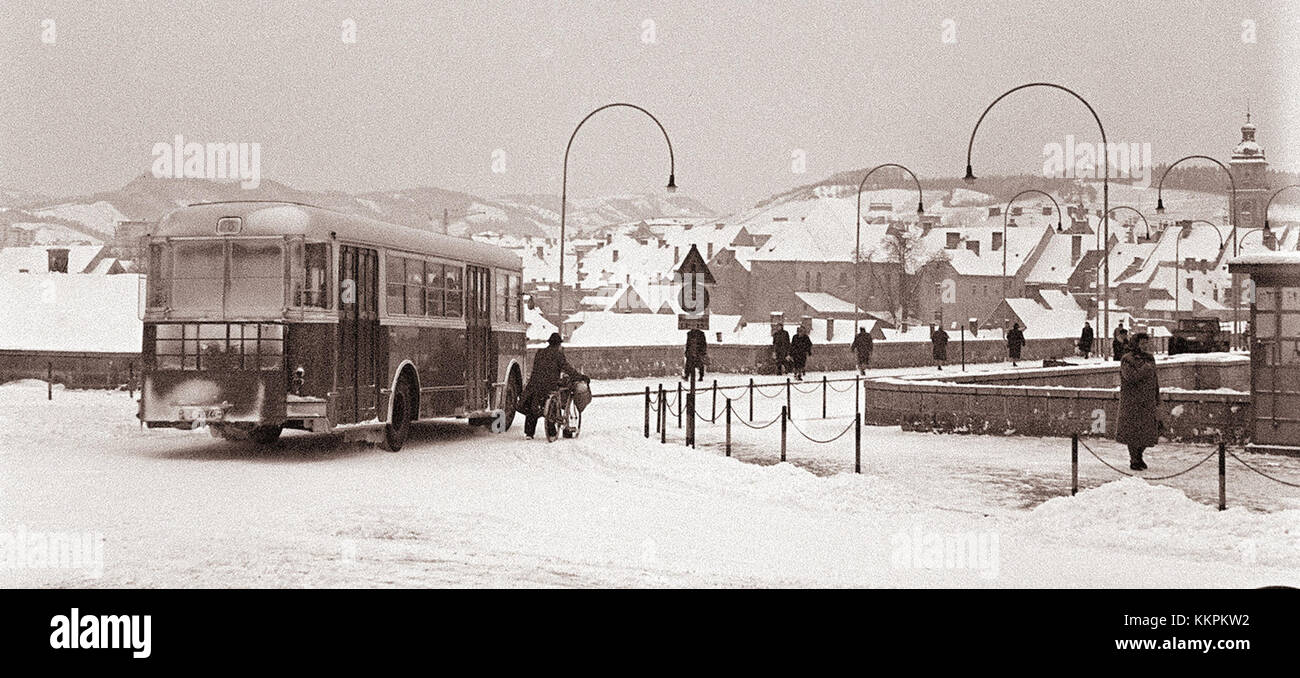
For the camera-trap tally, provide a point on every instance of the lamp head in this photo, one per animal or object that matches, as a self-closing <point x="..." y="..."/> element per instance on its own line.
<point x="970" y="175"/>
<point x="1058" y="227"/>
<point x="672" y="183"/>
<point x="1160" y="205"/>
<point x="920" y="207"/>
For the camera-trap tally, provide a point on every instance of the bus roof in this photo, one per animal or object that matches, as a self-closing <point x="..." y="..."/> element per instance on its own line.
<point x="275" y="218"/>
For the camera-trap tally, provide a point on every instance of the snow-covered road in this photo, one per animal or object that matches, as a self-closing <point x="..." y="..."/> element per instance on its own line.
<point x="464" y="507"/>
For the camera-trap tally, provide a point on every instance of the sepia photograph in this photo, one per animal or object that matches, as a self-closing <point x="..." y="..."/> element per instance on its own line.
<point x="563" y="294"/>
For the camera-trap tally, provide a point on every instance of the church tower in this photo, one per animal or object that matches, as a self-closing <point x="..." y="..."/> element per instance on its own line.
<point x="1249" y="170"/>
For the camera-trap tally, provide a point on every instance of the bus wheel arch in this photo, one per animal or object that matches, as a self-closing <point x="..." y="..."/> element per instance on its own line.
<point x="403" y="407"/>
<point x="513" y="391"/>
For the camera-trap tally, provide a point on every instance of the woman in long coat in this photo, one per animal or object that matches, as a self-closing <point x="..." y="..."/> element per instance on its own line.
<point x="939" y="346"/>
<point x="1139" y="401"/>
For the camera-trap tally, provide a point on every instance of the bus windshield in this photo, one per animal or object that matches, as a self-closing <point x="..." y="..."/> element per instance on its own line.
<point x="228" y="277"/>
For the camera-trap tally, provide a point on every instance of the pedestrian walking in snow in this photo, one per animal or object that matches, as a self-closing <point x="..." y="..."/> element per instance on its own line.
<point x="862" y="345"/>
<point x="1139" y="401"/>
<point x="780" y="348"/>
<point x="800" y="349"/>
<point x="1119" y="343"/>
<point x="1015" y="342"/>
<point x="697" y="354"/>
<point x="939" y="345"/>
<point x="1085" y="340"/>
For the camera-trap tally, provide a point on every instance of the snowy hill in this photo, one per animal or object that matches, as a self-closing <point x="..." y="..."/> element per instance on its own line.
<point x="146" y="198"/>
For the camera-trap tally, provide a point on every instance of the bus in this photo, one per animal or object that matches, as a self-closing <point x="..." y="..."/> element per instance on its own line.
<point x="262" y="316"/>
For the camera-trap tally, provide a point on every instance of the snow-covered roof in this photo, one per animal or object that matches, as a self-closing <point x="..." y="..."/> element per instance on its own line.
<point x="1039" y="321"/>
<point x="1267" y="258"/>
<point x="1054" y="266"/>
<point x="70" y="312"/>
<point x="1021" y="243"/>
<point x="539" y="328"/>
<point x="637" y="329"/>
<point x="823" y="302"/>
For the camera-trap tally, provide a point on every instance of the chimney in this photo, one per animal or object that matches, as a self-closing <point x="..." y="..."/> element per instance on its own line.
<point x="830" y="329"/>
<point x="1076" y="248"/>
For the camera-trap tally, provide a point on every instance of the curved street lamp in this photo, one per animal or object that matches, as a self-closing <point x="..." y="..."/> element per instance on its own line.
<point x="1270" y="201"/>
<point x="857" y="234"/>
<point x="1105" y="254"/>
<point x="564" y="184"/>
<point x="1264" y="231"/>
<point x="1178" y="258"/>
<point x="1105" y="174"/>
<point x="1232" y="214"/>
<point x="1006" y="212"/>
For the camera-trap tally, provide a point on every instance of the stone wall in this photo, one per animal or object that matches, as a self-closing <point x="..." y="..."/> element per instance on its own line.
<point x="602" y="362"/>
<point x="1064" y="401"/>
<point x="70" y="368"/>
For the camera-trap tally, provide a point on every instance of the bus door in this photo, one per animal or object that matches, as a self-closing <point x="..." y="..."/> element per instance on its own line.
<point x="358" y="340"/>
<point x="478" y="324"/>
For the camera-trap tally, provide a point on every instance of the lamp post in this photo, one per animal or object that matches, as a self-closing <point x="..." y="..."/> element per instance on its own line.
<point x="564" y="184"/>
<point x="1106" y="254"/>
<point x="857" y="235"/>
<point x="1006" y="212"/>
<point x="1232" y="212"/>
<point x="1178" y="258"/>
<point x="1270" y="202"/>
<point x="1105" y="175"/>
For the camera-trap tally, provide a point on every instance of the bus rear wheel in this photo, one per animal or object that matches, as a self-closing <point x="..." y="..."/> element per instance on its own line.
<point x="399" y="426"/>
<point x="265" y="435"/>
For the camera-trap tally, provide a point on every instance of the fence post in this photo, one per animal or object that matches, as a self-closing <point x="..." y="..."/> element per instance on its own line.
<point x="130" y="381"/>
<point x="784" y="414"/>
<point x="857" y="397"/>
<point x="647" y="412"/>
<point x="49" y="380"/>
<point x="857" y="442"/>
<point x="1223" y="480"/>
<point x="1074" y="464"/>
<point x="823" y="396"/>
<point x="728" y="406"/>
<point x="679" y="404"/>
<point x="751" y="399"/>
<point x="787" y="395"/>
<point x="690" y="413"/>
<point x="663" y="415"/>
<point x="713" y="410"/>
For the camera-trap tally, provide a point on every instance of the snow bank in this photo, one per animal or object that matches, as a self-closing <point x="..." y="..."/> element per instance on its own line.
<point x="1132" y="512"/>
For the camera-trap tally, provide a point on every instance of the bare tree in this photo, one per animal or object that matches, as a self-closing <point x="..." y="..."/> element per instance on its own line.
<point x="896" y="265"/>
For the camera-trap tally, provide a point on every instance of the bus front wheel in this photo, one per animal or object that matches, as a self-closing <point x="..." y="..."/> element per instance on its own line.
<point x="399" y="426"/>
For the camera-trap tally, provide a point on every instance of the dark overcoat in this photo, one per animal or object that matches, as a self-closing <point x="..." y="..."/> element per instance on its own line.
<point x="1015" y="342"/>
<point x="697" y="346"/>
<point x="862" y="344"/>
<point x="800" y="349"/>
<point x="939" y="344"/>
<point x="1139" y="400"/>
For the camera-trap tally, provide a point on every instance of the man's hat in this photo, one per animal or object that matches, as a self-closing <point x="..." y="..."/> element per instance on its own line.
<point x="1138" y="336"/>
<point x="554" y="339"/>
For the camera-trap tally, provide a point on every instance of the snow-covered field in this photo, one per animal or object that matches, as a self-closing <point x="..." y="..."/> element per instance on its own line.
<point x="464" y="507"/>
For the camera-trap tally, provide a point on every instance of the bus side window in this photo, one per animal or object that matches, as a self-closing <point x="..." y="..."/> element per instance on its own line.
<point x="396" y="291"/>
<point x="455" y="278"/>
<point x="502" y="296"/>
<point x="314" y="283"/>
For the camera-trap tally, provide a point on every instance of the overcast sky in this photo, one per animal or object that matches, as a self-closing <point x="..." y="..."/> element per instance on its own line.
<point x="430" y="90"/>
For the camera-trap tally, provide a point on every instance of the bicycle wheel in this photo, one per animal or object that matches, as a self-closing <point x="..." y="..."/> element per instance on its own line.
<point x="573" y="420"/>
